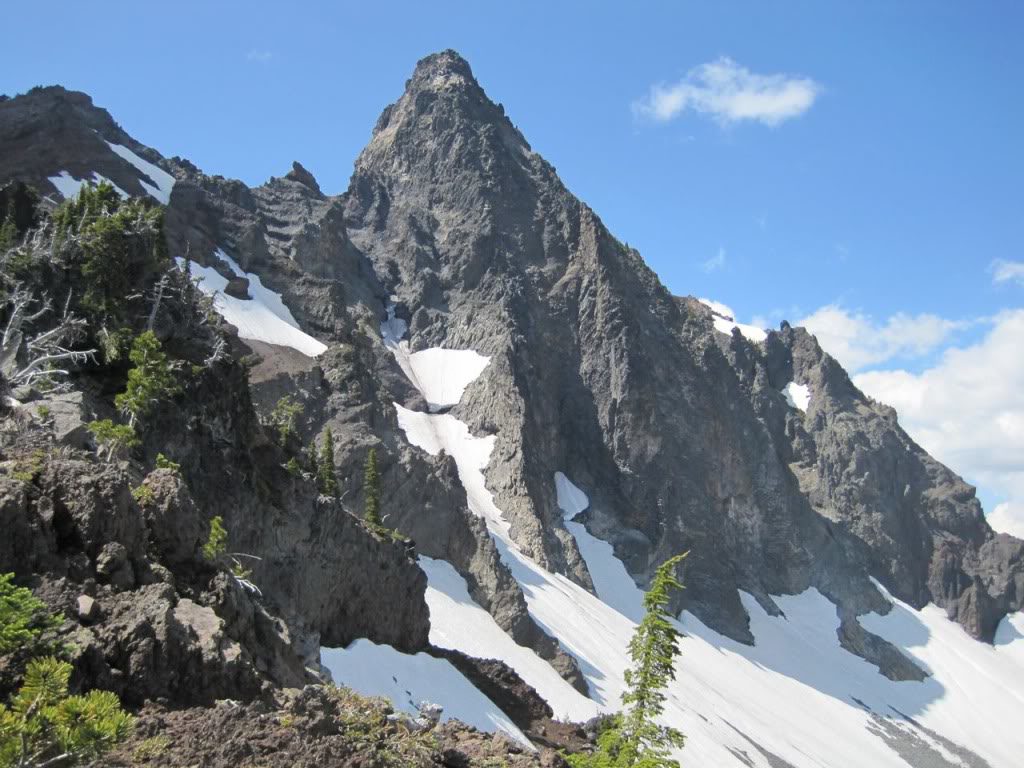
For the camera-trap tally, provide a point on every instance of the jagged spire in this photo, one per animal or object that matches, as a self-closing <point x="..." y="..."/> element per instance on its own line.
<point x="442" y="107"/>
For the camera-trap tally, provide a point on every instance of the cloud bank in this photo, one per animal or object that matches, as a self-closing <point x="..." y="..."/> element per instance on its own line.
<point x="856" y="340"/>
<point x="968" y="412"/>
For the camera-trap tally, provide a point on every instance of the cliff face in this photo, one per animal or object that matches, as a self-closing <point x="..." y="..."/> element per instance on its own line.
<point x="758" y="456"/>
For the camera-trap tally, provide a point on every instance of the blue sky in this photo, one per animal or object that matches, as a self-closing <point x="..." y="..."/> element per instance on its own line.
<point x="896" y="193"/>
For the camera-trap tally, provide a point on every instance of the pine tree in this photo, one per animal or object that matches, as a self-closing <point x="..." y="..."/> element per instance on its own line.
<point x="216" y="545"/>
<point x="634" y="739"/>
<point x="371" y="489"/>
<point x="325" y="466"/>
<point x="44" y="726"/>
<point x="284" y="417"/>
<point x="152" y="379"/>
<point x="23" y="616"/>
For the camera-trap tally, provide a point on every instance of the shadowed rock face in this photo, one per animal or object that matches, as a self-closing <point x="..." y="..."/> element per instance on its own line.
<point x="680" y="435"/>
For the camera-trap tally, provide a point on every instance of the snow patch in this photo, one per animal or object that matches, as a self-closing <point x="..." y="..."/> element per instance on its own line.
<point x="407" y="680"/>
<point x="725" y="321"/>
<point x="718" y="308"/>
<point x="611" y="580"/>
<point x="69" y="186"/>
<point x="797" y="395"/>
<point x="791" y="694"/>
<point x="264" y="317"/>
<point x="440" y="375"/>
<point x="162" y="181"/>
<point x="754" y="334"/>
<point x="457" y="622"/>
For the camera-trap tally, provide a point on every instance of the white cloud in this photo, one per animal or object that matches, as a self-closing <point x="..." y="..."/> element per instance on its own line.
<point x="968" y="411"/>
<point x="730" y="93"/>
<point x="257" y="55"/>
<point x="1008" y="517"/>
<point x="857" y="341"/>
<point x="716" y="262"/>
<point x="1007" y="271"/>
<point x="719" y="308"/>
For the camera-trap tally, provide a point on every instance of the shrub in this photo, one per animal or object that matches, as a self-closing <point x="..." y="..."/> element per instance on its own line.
<point x="44" y="726"/>
<point x="112" y="439"/>
<point x="23" y="616"/>
<point x="284" y="417"/>
<point x="143" y="495"/>
<point x="162" y="462"/>
<point x="216" y="545"/>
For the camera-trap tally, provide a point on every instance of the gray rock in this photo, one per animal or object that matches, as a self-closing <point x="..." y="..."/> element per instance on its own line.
<point x="88" y="609"/>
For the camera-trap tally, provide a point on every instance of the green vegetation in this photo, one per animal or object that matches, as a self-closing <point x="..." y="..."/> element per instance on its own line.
<point x="294" y="467"/>
<point x="371" y="489"/>
<point x="215" y="551"/>
<point x="633" y="739"/>
<point x="143" y="495"/>
<point x="162" y="462"/>
<point x="23" y="617"/>
<point x="151" y="748"/>
<point x="151" y="380"/>
<point x="325" y="466"/>
<point x="44" y="726"/>
<point x="27" y="467"/>
<point x="112" y="439"/>
<point x="8" y="233"/>
<point x="117" y="245"/>
<point x="365" y="724"/>
<point x="284" y="417"/>
<point x="216" y="545"/>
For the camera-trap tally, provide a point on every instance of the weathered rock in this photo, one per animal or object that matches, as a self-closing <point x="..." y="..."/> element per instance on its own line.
<point x="88" y="609"/>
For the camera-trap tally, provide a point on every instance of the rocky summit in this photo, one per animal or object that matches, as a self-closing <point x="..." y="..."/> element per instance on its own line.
<point x="548" y="423"/>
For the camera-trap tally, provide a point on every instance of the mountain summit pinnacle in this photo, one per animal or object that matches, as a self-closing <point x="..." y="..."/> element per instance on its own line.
<point x="443" y="125"/>
<point x="446" y="64"/>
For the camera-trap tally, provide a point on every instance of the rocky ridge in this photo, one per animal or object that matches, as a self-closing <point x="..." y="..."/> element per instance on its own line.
<point x="681" y="434"/>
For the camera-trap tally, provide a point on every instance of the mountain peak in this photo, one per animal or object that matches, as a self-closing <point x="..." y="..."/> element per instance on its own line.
<point x="445" y="64"/>
<point x="443" y="115"/>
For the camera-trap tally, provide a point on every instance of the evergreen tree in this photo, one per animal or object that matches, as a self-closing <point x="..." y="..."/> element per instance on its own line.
<point x="23" y="616"/>
<point x="152" y="379"/>
<point x="633" y="739"/>
<point x="325" y="466"/>
<point x="284" y="417"/>
<point x="371" y="489"/>
<point x="118" y="245"/>
<point x="44" y="726"/>
<point x="112" y="439"/>
<point x="216" y="545"/>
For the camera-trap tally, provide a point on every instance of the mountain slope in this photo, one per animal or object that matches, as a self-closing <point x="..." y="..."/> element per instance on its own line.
<point x="819" y="531"/>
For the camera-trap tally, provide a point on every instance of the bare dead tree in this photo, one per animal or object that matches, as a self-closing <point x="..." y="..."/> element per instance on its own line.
<point x="32" y="359"/>
<point x="217" y="354"/>
<point x="156" y="296"/>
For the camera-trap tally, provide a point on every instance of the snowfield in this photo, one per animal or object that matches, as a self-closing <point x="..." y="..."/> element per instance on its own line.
<point x="162" y="181"/>
<point x="440" y="375"/>
<point x="794" y="698"/>
<point x="724" y="321"/>
<point x="408" y="679"/>
<point x="69" y="186"/>
<point x="797" y="395"/>
<point x="264" y="317"/>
